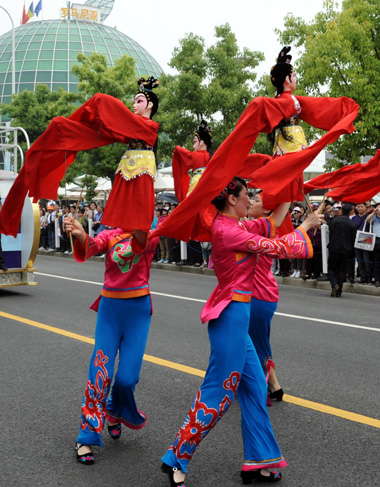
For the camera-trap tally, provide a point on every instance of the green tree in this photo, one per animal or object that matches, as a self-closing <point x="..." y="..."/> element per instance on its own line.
<point x="120" y="82"/>
<point x="34" y="110"/>
<point x="341" y="57"/>
<point x="215" y="83"/>
<point x="89" y="182"/>
<point x="96" y="77"/>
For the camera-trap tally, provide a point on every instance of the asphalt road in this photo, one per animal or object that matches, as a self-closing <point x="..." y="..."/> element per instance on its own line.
<point x="43" y="375"/>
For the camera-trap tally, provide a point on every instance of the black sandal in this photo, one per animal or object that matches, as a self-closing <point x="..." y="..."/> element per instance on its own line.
<point x="114" y="431"/>
<point x="87" y="458"/>
<point x="278" y="395"/>
<point x="170" y="471"/>
<point x="250" y="475"/>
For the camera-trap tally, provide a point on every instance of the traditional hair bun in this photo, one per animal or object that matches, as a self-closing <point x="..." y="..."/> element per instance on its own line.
<point x="204" y="133"/>
<point x="282" y="69"/>
<point x="146" y="88"/>
<point x="148" y="84"/>
<point x="284" y="57"/>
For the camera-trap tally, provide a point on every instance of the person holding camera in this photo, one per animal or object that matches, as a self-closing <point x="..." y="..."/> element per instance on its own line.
<point x="374" y="218"/>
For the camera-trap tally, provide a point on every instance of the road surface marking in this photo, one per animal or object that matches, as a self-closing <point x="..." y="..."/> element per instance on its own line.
<point x="285" y="315"/>
<point x="357" y="418"/>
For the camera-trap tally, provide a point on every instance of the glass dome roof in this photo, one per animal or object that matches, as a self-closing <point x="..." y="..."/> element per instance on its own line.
<point x="47" y="49"/>
<point x="105" y="7"/>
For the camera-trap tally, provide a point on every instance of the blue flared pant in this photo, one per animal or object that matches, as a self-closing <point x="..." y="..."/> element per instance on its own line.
<point x="259" y="328"/>
<point x="122" y="325"/>
<point x="234" y="369"/>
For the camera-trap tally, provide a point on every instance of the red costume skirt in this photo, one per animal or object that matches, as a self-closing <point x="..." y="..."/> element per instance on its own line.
<point x="130" y="205"/>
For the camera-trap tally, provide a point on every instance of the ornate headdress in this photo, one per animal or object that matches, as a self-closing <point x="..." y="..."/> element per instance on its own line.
<point x="282" y="69"/>
<point x="204" y="133"/>
<point x="146" y="89"/>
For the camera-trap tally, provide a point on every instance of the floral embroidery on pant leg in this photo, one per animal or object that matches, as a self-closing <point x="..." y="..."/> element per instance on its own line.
<point x="201" y="419"/>
<point x="94" y="401"/>
<point x="230" y="384"/>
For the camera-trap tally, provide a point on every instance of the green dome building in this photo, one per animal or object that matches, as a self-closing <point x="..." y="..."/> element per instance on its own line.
<point x="47" y="49"/>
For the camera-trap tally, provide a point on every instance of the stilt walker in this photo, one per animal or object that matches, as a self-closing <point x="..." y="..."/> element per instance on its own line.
<point x="133" y="188"/>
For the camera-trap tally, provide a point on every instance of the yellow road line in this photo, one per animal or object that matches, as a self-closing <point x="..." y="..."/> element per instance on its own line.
<point x="174" y="365"/>
<point x="341" y="413"/>
<point x="59" y="331"/>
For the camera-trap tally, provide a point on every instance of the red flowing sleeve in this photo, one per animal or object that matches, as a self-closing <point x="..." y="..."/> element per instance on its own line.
<point x="354" y="176"/>
<point x="261" y="115"/>
<point x="183" y="161"/>
<point x="102" y="120"/>
<point x="278" y="178"/>
<point x="357" y="192"/>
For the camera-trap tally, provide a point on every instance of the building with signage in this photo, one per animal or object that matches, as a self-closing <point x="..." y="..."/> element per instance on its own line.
<point x="47" y="49"/>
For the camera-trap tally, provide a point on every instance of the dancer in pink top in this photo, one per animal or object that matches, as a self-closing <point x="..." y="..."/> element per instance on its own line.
<point x="263" y="306"/>
<point x="234" y="367"/>
<point x="124" y="312"/>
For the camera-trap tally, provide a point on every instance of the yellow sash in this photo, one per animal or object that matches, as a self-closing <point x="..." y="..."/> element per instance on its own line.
<point x="134" y="163"/>
<point x="195" y="176"/>
<point x="298" y="142"/>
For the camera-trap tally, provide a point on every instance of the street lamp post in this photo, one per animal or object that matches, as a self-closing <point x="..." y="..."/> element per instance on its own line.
<point x="13" y="53"/>
<point x="13" y="84"/>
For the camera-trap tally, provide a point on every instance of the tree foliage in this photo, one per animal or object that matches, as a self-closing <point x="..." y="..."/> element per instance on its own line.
<point x="214" y="83"/>
<point x="341" y="57"/>
<point x="120" y="82"/>
<point x="34" y="110"/>
<point x="96" y="77"/>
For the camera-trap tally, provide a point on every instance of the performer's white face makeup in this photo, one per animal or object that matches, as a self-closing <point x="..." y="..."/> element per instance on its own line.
<point x="141" y="106"/>
<point x="199" y="144"/>
<point x="290" y="82"/>
<point x="293" y="81"/>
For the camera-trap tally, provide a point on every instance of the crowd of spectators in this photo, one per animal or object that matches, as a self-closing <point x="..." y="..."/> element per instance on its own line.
<point x="197" y="254"/>
<point x="52" y="233"/>
<point x="356" y="265"/>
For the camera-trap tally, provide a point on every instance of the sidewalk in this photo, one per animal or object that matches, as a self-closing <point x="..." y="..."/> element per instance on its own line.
<point x="369" y="290"/>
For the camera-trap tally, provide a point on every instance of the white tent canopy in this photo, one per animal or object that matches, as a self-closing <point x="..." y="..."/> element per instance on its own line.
<point x="163" y="182"/>
<point x="104" y="185"/>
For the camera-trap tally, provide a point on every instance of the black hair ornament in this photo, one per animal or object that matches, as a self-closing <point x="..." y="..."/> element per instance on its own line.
<point x="146" y="87"/>
<point x="204" y="133"/>
<point x="282" y="69"/>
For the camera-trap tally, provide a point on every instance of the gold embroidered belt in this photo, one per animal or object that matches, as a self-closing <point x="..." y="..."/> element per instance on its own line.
<point x="134" y="163"/>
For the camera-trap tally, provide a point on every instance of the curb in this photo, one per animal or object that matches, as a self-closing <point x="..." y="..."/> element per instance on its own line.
<point x="287" y="281"/>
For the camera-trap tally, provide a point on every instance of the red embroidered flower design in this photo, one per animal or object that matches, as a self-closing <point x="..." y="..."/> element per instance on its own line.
<point x="201" y="419"/>
<point x="94" y="402"/>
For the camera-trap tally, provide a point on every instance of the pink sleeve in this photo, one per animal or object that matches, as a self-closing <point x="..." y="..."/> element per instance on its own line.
<point x="92" y="246"/>
<point x="235" y="237"/>
<point x="294" y="245"/>
<point x="266" y="227"/>
<point x="150" y="245"/>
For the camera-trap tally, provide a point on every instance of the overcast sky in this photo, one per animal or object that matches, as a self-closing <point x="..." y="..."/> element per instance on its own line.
<point x="159" y="24"/>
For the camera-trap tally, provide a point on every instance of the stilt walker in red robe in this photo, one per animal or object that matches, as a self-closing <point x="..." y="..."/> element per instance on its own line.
<point x="131" y="202"/>
<point x="189" y="166"/>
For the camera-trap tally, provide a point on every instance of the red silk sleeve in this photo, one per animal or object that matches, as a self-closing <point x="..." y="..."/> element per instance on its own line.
<point x="102" y="120"/>
<point x="183" y="161"/>
<point x="261" y="115"/>
<point x="354" y="175"/>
